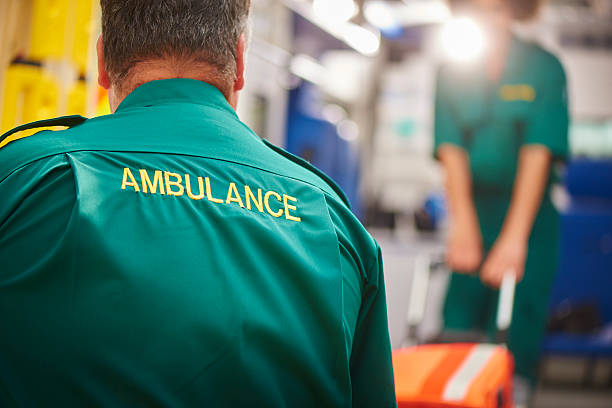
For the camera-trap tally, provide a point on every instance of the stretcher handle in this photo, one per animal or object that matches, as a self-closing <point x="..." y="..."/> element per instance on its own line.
<point x="505" y="305"/>
<point x="417" y="298"/>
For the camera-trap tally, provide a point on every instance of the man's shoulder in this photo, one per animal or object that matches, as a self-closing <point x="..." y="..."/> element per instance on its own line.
<point x="348" y="227"/>
<point x="349" y="230"/>
<point x="306" y="172"/>
<point x="35" y="140"/>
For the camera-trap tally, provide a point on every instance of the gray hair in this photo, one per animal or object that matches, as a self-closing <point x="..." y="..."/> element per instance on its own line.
<point x="188" y="30"/>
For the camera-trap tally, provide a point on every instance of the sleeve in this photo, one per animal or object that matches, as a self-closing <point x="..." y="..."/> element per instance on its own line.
<point x="548" y="125"/>
<point x="371" y="364"/>
<point x="446" y="130"/>
<point x="35" y="209"/>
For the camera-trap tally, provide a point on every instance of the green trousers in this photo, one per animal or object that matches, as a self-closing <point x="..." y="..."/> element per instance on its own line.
<point x="470" y="305"/>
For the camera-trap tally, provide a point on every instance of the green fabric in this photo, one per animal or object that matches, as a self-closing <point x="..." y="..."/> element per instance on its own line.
<point x="499" y="126"/>
<point x="114" y="294"/>
<point x="491" y="122"/>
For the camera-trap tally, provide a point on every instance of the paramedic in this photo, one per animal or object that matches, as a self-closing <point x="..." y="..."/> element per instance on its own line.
<point x="165" y="255"/>
<point x="499" y="126"/>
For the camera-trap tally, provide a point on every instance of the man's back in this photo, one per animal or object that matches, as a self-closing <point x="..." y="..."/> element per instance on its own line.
<point x="166" y="256"/>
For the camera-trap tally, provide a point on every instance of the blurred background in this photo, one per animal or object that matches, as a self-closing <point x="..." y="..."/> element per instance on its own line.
<point x="349" y="85"/>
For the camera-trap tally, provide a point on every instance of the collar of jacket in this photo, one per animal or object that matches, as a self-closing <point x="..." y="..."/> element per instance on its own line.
<point x="176" y="90"/>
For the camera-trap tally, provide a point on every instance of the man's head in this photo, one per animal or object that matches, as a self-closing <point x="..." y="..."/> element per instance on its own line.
<point x="144" y="40"/>
<point x="519" y="10"/>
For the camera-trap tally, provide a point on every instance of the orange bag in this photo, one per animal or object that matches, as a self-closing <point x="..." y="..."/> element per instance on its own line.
<point x="468" y="375"/>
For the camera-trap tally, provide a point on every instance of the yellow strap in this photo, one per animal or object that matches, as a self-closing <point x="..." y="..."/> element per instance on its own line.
<point x="25" y="133"/>
<point x="29" y="128"/>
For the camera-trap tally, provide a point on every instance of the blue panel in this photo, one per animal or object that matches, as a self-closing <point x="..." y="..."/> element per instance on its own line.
<point x="347" y="172"/>
<point x="317" y="141"/>
<point x="590" y="178"/>
<point x="572" y="344"/>
<point x="585" y="269"/>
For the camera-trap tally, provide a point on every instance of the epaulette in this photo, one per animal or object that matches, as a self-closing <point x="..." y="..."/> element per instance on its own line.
<point x="301" y="162"/>
<point x="67" y="121"/>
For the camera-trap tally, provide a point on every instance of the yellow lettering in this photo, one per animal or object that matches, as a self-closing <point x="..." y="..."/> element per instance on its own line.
<point x="168" y="183"/>
<point x="507" y="93"/>
<point x="517" y="92"/>
<point x="528" y="93"/>
<point x="233" y="196"/>
<point x="288" y="207"/>
<point x="132" y="183"/>
<point x="200" y="185"/>
<point x="148" y="186"/>
<point x="209" y="193"/>
<point x="176" y="183"/>
<point x="267" y="203"/>
<point x="250" y="196"/>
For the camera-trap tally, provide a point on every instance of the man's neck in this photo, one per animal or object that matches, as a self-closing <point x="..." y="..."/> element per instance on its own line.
<point x="148" y="71"/>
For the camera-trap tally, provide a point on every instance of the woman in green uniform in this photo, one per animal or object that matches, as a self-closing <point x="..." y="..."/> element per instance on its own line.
<point x="499" y="125"/>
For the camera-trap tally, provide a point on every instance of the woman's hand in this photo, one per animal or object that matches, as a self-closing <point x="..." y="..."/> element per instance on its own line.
<point x="508" y="254"/>
<point x="464" y="250"/>
<point x="510" y="249"/>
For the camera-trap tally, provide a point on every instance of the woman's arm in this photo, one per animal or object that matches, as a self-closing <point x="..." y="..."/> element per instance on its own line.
<point x="510" y="249"/>
<point x="464" y="252"/>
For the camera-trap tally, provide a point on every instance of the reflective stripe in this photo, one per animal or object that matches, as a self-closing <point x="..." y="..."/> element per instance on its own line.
<point x="506" y="300"/>
<point x="458" y="385"/>
<point x="26" y="133"/>
<point x="12" y="138"/>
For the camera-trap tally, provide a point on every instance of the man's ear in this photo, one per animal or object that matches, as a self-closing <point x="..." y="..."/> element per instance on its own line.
<point x="240" y="63"/>
<point x="103" y="78"/>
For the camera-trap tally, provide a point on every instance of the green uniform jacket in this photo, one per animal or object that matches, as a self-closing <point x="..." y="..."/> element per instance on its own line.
<point x="492" y="121"/>
<point x="166" y="256"/>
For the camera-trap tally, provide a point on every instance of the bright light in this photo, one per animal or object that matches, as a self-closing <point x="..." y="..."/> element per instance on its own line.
<point x="463" y="40"/>
<point x="345" y="72"/>
<point x="334" y="10"/>
<point x="348" y="130"/>
<point x="307" y="68"/>
<point x="334" y="113"/>
<point x="361" y="39"/>
<point x="420" y="12"/>
<point x="380" y="15"/>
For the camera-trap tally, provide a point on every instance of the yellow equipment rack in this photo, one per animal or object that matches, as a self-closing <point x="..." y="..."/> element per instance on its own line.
<point x="47" y="60"/>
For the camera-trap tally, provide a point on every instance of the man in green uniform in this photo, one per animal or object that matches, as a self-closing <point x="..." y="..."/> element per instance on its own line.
<point x="499" y="125"/>
<point x="165" y="255"/>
